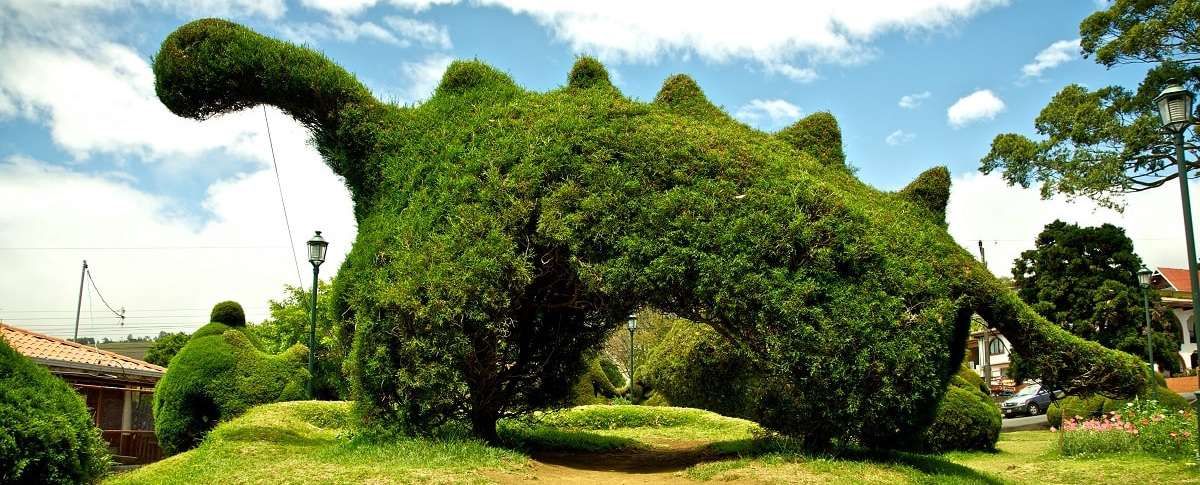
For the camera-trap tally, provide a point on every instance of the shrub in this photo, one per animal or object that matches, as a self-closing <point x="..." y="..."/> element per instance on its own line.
<point x="219" y="374"/>
<point x="695" y="367"/>
<point x="593" y="386"/>
<point x="966" y="419"/>
<point x="1141" y="425"/>
<point x="46" y="431"/>
<point x="1095" y="406"/>
<point x="229" y="313"/>
<point x="503" y="233"/>
<point x="612" y="371"/>
<point x="165" y="347"/>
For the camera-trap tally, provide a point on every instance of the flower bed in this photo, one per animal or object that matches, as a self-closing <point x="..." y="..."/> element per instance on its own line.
<point x="1143" y="425"/>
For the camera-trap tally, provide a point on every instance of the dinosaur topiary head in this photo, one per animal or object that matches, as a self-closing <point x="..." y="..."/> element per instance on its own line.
<point x="229" y="313"/>
<point x="502" y="233"/>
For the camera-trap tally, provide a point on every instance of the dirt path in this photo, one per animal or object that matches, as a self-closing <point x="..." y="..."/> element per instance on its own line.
<point x="664" y="464"/>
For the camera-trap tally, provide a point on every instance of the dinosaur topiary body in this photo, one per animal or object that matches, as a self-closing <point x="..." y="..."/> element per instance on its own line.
<point x="503" y="232"/>
<point x="218" y="375"/>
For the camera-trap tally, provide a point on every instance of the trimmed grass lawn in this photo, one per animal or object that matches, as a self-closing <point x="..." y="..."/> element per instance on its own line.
<point x="308" y="442"/>
<point x="311" y="442"/>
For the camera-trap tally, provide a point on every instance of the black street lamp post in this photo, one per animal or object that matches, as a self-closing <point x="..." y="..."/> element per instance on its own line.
<point x="316" y="255"/>
<point x="1144" y="281"/>
<point x="1175" y="110"/>
<point x="631" y="324"/>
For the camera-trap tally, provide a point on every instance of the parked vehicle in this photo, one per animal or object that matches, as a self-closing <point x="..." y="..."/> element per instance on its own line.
<point x="1032" y="400"/>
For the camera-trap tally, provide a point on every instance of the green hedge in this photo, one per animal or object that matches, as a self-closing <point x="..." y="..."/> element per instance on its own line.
<point x="966" y="419"/>
<point x="218" y="375"/>
<point x="500" y="228"/>
<point x="46" y="431"/>
<point x="593" y="387"/>
<point x="1094" y="406"/>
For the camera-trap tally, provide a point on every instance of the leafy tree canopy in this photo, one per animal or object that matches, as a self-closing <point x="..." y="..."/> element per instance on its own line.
<point x="165" y="347"/>
<point x="1085" y="280"/>
<point x="288" y="325"/>
<point x="1107" y="142"/>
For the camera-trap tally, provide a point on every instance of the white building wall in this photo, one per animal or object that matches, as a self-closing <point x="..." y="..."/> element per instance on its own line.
<point x="1186" y="346"/>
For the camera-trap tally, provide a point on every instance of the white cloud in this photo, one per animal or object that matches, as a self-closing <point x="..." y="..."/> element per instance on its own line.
<point x="797" y="74"/>
<point x="339" y="7"/>
<point x="423" y="77"/>
<point x="768" y="112"/>
<point x="1058" y="53"/>
<point x="422" y="32"/>
<point x="355" y="7"/>
<point x="1008" y="219"/>
<point x="115" y="110"/>
<point x="912" y="101"/>
<point x="761" y="30"/>
<point x="400" y="31"/>
<point x="899" y="137"/>
<point x="979" y="105"/>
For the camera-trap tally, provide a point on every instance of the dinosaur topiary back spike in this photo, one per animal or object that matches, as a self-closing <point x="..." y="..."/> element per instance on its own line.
<point x="475" y="76"/>
<point x="818" y="135"/>
<point x="681" y="94"/>
<point x="587" y="73"/>
<point x="930" y="190"/>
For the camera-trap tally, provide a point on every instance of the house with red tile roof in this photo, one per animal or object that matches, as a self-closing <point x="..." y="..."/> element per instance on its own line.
<point x="1175" y="288"/>
<point x="118" y="389"/>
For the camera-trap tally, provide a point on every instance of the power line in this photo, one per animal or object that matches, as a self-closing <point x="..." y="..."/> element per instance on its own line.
<point x="279" y="183"/>
<point x="119" y="314"/>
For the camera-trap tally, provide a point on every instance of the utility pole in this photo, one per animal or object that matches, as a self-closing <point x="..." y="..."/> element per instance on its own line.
<point x="79" y="302"/>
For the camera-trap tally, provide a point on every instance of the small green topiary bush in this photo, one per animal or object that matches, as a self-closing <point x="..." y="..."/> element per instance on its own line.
<point x="1094" y="406"/>
<point x="593" y="386"/>
<point x="229" y="313"/>
<point x="966" y="418"/>
<point x="46" y="431"/>
<point x="219" y="374"/>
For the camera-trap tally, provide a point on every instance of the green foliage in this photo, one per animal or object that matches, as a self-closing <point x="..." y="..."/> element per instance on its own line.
<point x="615" y="377"/>
<point x="588" y="72"/>
<point x="593" y="387"/>
<point x="931" y="190"/>
<point x="1144" y="425"/>
<point x="46" y="431"/>
<point x="819" y="136"/>
<point x="165" y="347"/>
<point x="229" y="313"/>
<point x="218" y="375"/>
<point x="967" y="419"/>
<point x="1096" y="406"/>
<point x="503" y="233"/>
<point x="1105" y="142"/>
<point x="1085" y="280"/>
<point x="695" y="367"/>
<point x="288" y="325"/>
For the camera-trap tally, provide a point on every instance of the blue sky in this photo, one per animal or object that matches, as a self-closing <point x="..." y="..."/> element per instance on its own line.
<point x="89" y="159"/>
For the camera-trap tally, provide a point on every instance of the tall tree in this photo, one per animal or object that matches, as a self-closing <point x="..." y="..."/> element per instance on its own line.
<point x="288" y="325"/>
<point x="166" y="345"/>
<point x="1085" y="280"/>
<point x="1104" y="143"/>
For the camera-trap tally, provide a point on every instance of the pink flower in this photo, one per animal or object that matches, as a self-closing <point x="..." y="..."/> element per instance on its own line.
<point x="1053" y="429"/>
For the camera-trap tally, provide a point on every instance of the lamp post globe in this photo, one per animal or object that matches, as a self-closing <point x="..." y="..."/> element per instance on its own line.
<point x="1175" y="107"/>
<point x="317" y="246"/>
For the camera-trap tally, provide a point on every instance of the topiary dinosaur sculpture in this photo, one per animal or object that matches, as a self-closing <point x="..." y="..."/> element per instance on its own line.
<point x="219" y="374"/>
<point x="502" y="232"/>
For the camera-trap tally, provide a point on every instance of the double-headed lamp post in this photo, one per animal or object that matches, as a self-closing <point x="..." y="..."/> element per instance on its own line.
<point x="1144" y="281"/>
<point x="316" y="255"/>
<point x="1175" y="109"/>
<point x="631" y="324"/>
